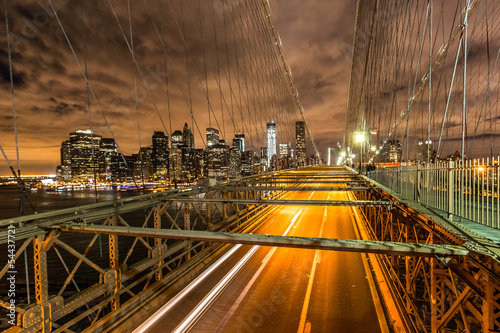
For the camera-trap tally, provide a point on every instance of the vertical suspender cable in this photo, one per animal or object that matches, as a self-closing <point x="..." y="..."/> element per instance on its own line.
<point x="205" y="64"/>
<point x="134" y="63"/>
<point x="431" y="3"/>
<point x="88" y="106"/>
<point x="465" y="80"/>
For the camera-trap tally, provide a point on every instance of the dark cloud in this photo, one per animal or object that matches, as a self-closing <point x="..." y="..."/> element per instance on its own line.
<point x="17" y="76"/>
<point x="51" y="93"/>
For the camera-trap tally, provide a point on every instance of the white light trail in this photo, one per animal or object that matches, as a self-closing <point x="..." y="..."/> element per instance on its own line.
<point x="151" y="320"/>
<point x="208" y="300"/>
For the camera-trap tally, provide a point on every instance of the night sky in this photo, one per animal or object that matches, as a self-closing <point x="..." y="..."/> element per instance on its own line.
<point x="51" y="96"/>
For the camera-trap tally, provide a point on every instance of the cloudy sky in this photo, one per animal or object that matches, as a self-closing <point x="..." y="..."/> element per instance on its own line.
<point x="51" y="96"/>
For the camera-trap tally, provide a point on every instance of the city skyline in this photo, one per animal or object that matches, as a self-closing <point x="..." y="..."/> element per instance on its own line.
<point x="54" y="100"/>
<point x="89" y="157"/>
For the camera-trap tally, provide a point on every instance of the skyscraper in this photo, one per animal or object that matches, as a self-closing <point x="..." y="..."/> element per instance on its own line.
<point x="300" y="145"/>
<point x="177" y="140"/>
<point x="217" y="161"/>
<point x="263" y="155"/>
<point x="271" y="141"/>
<point x="187" y="136"/>
<point x="160" y="154"/>
<point x="212" y="137"/>
<point x="234" y="162"/>
<point x="66" y="161"/>
<point x="284" y="149"/>
<point x="143" y="167"/>
<point x="86" y="155"/>
<point x="285" y="153"/>
<point x="109" y="151"/>
<point x="239" y="141"/>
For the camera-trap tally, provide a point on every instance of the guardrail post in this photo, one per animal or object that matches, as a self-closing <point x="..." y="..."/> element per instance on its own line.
<point x="451" y="190"/>
<point x="419" y="184"/>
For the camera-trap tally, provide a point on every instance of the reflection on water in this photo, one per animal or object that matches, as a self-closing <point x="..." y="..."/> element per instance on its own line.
<point x="44" y="201"/>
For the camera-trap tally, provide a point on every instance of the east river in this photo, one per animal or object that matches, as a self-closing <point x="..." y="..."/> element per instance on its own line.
<point x="45" y="201"/>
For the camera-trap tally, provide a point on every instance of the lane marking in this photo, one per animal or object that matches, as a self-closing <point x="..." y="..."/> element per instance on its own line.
<point x="210" y="298"/>
<point x="307" y="298"/>
<point x="356" y="221"/>
<point x="311" y="195"/>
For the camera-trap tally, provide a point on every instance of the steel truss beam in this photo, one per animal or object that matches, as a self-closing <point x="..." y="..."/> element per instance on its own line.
<point x="343" y="177"/>
<point x="344" y="245"/>
<point x="356" y="203"/>
<point x="284" y="188"/>
<point x="275" y="181"/>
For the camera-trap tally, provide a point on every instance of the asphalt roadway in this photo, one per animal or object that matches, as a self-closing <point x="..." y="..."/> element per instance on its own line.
<point x="269" y="289"/>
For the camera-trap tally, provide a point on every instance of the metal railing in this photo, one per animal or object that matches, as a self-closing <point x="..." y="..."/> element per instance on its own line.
<point x="469" y="189"/>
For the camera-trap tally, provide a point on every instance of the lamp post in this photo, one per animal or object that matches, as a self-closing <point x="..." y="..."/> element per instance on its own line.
<point x="360" y="137"/>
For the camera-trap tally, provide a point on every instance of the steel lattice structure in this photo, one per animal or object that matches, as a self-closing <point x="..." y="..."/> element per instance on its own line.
<point x="435" y="294"/>
<point x="435" y="275"/>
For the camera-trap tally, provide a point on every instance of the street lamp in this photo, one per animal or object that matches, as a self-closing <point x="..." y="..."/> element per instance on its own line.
<point x="360" y="137"/>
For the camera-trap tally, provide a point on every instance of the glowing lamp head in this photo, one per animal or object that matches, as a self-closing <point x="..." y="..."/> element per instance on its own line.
<point x="359" y="137"/>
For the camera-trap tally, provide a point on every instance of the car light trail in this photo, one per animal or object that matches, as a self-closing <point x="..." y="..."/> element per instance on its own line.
<point x="151" y="320"/>
<point x="197" y="312"/>
<point x="207" y="301"/>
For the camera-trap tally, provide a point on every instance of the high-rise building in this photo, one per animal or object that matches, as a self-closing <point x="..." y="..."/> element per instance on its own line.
<point x="425" y="151"/>
<point x="285" y="156"/>
<point x="187" y="136"/>
<point x="212" y="137"/>
<point x="239" y="141"/>
<point x="109" y="151"/>
<point x="248" y="159"/>
<point x="392" y="151"/>
<point x="65" y="169"/>
<point x="300" y="143"/>
<point x="177" y="140"/>
<point x="234" y="162"/>
<point x="160" y="154"/>
<point x="188" y="167"/>
<point x="126" y="165"/>
<point x="86" y="155"/>
<point x="143" y="168"/>
<point x="271" y="141"/>
<point x="217" y="162"/>
<point x="284" y="149"/>
<point x="175" y="165"/>
<point x="200" y="163"/>
<point x="263" y="156"/>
